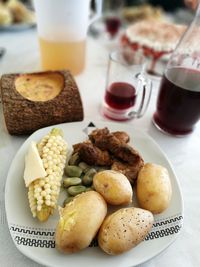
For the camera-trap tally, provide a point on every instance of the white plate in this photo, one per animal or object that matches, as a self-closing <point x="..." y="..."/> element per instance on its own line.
<point x="36" y="240"/>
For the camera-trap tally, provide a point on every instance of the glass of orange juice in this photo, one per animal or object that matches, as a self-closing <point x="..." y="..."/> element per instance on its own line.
<point x="62" y="28"/>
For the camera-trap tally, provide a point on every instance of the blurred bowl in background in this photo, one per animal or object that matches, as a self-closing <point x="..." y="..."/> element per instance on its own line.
<point x="156" y="39"/>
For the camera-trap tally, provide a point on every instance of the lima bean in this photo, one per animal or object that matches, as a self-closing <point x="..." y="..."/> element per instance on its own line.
<point x="73" y="171"/>
<point x="74" y="159"/>
<point x="67" y="200"/>
<point x="71" y="181"/>
<point x="88" y="177"/>
<point x="87" y="180"/>
<point x="91" y="172"/>
<point x="84" y="166"/>
<point x="76" y="189"/>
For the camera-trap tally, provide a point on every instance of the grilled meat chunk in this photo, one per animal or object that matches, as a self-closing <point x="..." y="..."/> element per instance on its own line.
<point x="125" y="153"/>
<point x="123" y="137"/>
<point x="111" y="149"/>
<point x="100" y="137"/>
<point x="92" y="155"/>
<point x="77" y="147"/>
<point x="115" y="144"/>
<point x="129" y="170"/>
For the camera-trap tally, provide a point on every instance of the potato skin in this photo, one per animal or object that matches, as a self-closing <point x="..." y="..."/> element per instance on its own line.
<point x="124" y="229"/>
<point x="79" y="222"/>
<point x="114" y="187"/>
<point x="153" y="188"/>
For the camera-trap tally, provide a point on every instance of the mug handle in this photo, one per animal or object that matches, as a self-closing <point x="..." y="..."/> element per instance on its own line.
<point x="145" y="85"/>
<point x="98" y="11"/>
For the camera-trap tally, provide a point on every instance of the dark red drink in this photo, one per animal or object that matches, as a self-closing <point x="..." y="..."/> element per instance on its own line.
<point x="178" y="104"/>
<point x="120" y="95"/>
<point x="112" y="25"/>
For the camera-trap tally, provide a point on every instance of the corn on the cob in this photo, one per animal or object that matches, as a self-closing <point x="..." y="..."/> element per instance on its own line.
<point x="43" y="192"/>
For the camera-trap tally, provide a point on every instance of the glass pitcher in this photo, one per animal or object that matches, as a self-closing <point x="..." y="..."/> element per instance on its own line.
<point x="178" y="102"/>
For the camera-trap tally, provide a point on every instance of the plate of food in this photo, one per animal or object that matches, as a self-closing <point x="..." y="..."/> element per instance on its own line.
<point x="118" y="202"/>
<point x="14" y="16"/>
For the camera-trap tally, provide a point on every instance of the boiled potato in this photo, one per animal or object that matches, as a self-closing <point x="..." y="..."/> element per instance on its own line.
<point x="153" y="188"/>
<point x="124" y="229"/>
<point x="79" y="222"/>
<point x="113" y="186"/>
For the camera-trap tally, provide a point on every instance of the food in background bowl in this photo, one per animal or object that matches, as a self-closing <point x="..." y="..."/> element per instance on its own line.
<point x="15" y="12"/>
<point x="5" y="15"/>
<point x="146" y="11"/>
<point x="156" y="39"/>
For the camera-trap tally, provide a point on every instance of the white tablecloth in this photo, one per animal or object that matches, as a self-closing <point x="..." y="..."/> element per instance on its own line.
<point x="22" y="56"/>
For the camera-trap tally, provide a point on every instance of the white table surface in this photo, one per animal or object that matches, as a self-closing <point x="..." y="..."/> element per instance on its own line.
<point x="184" y="153"/>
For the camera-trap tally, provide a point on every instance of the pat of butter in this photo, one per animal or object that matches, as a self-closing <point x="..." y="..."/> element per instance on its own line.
<point x="69" y="223"/>
<point x="34" y="168"/>
<point x="67" y="220"/>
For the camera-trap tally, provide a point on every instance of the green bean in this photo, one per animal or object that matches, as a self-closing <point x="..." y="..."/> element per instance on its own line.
<point x="74" y="159"/>
<point x="71" y="181"/>
<point x="67" y="200"/>
<point x="73" y="171"/>
<point x="76" y="189"/>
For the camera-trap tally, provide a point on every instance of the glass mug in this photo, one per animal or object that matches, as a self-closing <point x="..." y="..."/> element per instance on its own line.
<point x="178" y="102"/>
<point x="62" y="29"/>
<point x="128" y="90"/>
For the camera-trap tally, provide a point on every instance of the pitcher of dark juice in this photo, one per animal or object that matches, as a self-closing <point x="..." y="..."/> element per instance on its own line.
<point x="178" y="102"/>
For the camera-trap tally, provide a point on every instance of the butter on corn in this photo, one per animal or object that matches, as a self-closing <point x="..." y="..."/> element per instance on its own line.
<point x="34" y="168"/>
<point x="44" y="191"/>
